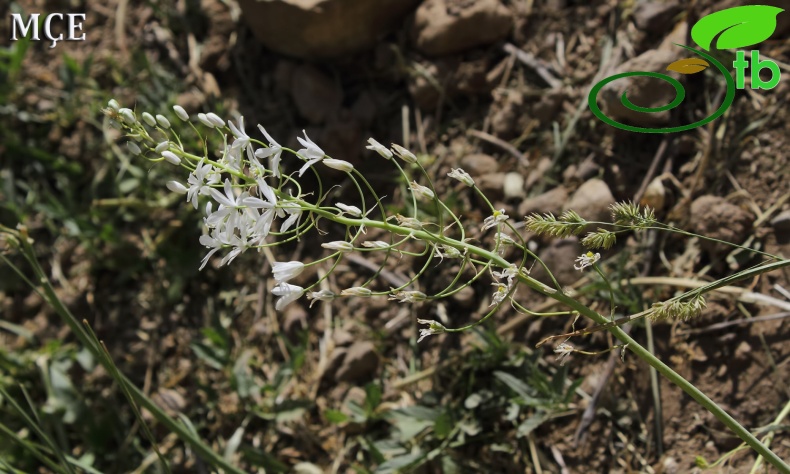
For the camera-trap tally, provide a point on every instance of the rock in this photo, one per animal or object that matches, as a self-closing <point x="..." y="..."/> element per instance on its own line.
<point x="448" y="26"/>
<point x="359" y="363"/>
<point x="642" y="91"/>
<point x="448" y="77"/>
<point x="507" y="114"/>
<point x="316" y="95"/>
<point x="492" y="185"/>
<point x="655" y="17"/>
<point x="295" y="320"/>
<point x="559" y="256"/>
<point x="541" y="168"/>
<point x="713" y="216"/>
<point x="781" y="225"/>
<point x="550" y="201"/>
<point x="465" y="297"/>
<point x="478" y="164"/>
<point x="513" y="186"/>
<point x="592" y="201"/>
<point x="322" y="29"/>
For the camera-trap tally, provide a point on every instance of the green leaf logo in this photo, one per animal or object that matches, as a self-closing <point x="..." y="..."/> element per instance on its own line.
<point x="736" y="27"/>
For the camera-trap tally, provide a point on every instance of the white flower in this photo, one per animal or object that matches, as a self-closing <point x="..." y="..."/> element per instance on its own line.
<point x="274" y="152"/>
<point x="339" y="245"/>
<point x="434" y="327"/>
<point x="504" y="239"/>
<point x="198" y="184"/>
<point x="341" y="165"/>
<point x="408" y="296"/>
<point x="284" y="271"/>
<point x="311" y="152"/>
<point x="500" y="293"/>
<point x="447" y="251"/>
<point x="404" y="154"/>
<point x="356" y="291"/>
<point x="294" y="211"/>
<point x="422" y="192"/>
<point x="149" y="119"/>
<point x="242" y="141"/>
<point x="162" y="146"/>
<point x="287" y="293"/>
<point x="323" y="295"/>
<point x="461" y="176"/>
<point x="379" y="148"/>
<point x="510" y="273"/>
<point x="563" y="350"/>
<point x="176" y="187"/>
<point x="586" y="260"/>
<point x="494" y="220"/>
<point x="182" y="114"/>
<point x="162" y="120"/>
<point x="171" y="157"/>
<point x="350" y="210"/>
<point x="229" y="200"/>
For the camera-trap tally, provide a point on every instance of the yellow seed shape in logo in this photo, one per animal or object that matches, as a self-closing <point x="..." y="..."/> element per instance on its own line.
<point x="688" y="66"/>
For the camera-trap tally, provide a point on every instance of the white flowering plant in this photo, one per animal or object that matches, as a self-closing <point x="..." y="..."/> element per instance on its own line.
<point x="252" y="198"/>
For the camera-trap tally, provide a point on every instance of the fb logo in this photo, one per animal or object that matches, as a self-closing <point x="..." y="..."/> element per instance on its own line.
<point x="737" y="27"/>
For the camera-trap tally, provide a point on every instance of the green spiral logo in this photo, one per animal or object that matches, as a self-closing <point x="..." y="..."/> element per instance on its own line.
<point x="680" y="94"/>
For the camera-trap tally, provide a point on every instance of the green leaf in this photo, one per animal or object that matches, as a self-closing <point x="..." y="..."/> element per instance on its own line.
<point x="335" y="416"/>
<point x="736" y="27"/>
<point x="372" y="397"/>
<point x="529" y="425"/>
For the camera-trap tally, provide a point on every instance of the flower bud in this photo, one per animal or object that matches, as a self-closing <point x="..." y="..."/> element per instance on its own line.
<point x="341" y="165"/>
<point x="356" y="291"/>
<point x="182" y="114"/>
<point x="205" y="121"/>
<point x="404" y="154"/>
<point x="214" y="119"/>
<point x="339" y="245"/>
<point x="128" y="116"/>
<point x="133" y="148"/>
<point x="379" y="148"/>
<point x="113" y="104"/>
<point x="176" y="187"/>
<point x="163" y="122"/>
<point x="171" y="157"/>
<point x="149" y="119"/>
<point x="162" y="146"/>
<point x="461" y="176"/>
<point x="421" y="191"/>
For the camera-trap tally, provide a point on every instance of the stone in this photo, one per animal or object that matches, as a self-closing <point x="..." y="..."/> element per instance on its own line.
<point x="360" y="362"/>
<point x="294" y="321"/>
<point x="713" y="216"/>
<point x="559" y="257"/>
<point x="451" y="26"/>
<point x="513" y="187"/>
<point x="478" y="164"/>
<point x="642" y="91"/>
<point x="781" y="224"/>
<point x="550" y="201"/>
<point x="655" y="17"/>
<point x="492" y="185"/>
<point x="323" y="29"/>
<point x="316" y="95"/>
<point x="591" y="201"/>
